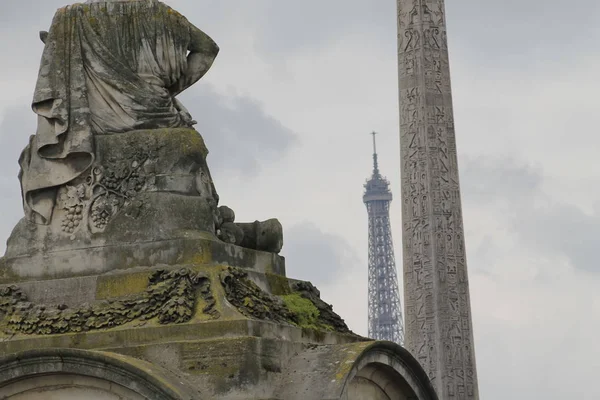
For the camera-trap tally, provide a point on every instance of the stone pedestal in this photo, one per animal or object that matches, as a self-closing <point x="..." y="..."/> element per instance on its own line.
<point x="221" y="323"/>
<point x="130" y="292"/>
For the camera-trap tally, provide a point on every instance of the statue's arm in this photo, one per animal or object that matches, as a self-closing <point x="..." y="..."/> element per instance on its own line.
<point x="203" y="51"/>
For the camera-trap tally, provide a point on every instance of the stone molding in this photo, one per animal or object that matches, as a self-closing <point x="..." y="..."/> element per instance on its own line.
<point x="143" y="378"/>
<point x="402" y="362"/>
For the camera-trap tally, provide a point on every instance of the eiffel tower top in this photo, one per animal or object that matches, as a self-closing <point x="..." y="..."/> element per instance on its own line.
<point x="378" y="187"/>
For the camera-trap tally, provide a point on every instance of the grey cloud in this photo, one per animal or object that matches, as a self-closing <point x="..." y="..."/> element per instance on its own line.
<point x="551" y="227"/>
<point x="240" y="135"/>
<point x="513" y="34"/>
<point x="292" y="26"/>
<point x="25" y="13"/>
<point x="494" y="179"/>
<point x="518" y="35"/>
<point x="566" y="229"/>
<point x="317" y="256"/>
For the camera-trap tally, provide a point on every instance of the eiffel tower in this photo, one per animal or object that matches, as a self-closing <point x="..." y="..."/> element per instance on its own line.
<point x="385" y="312"/>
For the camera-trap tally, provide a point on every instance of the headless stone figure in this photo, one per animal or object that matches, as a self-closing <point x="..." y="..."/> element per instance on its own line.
<point x="107" y="67"/>
<point x="114" y="158"/>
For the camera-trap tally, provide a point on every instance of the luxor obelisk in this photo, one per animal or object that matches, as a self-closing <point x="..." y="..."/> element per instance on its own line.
<point x="439" y="329"/>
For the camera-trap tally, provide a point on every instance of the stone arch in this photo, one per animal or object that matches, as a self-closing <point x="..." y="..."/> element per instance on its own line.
<point x="74" y="374"/>
<point x="386" y="371"/>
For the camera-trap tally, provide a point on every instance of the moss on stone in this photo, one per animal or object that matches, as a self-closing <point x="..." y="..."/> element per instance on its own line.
<point x="306" y="313"/>
<point x="347" y="356"/>
<point x="112" y="287"/>
<point x="126" y="336"/>
<point x="7" y="275"/>
<point x="187" y="139"/>
<point x="279" y="284"/>
<point x="314" y="333"/>
<point x="201" y="257"/>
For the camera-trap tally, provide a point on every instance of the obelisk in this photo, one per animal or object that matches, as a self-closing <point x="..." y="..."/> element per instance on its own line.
<point x="438" y="330"/>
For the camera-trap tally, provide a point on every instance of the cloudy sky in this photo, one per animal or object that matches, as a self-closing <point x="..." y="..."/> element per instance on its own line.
<point x="286" y="112"/>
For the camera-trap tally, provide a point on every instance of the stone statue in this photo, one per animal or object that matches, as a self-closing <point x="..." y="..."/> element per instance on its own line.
<point x="115" y="164"/>
<point x="107" y="67"/>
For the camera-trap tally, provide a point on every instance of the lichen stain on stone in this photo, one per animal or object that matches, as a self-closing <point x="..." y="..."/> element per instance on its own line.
<point x="111" y="287"/>
<point x="279" y="284"/>
<point x="230" y="351"/>
<point x="170" y="297"/>
<point x="7" y="275"/>
<point x="218" y="291"/>
<point x="347" y="356"/>
<point x="201" y="257"/>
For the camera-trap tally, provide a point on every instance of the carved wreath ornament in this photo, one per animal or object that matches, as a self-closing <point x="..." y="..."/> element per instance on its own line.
<point x="170" y="297"/>
<point x="91" y="205"/>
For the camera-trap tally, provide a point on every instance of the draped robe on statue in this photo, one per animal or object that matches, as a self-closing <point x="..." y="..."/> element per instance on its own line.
<point x="107" y="67"/>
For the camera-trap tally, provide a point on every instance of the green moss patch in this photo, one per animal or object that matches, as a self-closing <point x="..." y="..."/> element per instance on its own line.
<point x="305" y="312"/>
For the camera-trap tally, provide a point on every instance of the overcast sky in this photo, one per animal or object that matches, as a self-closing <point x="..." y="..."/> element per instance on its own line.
<point x="286" y="112"/>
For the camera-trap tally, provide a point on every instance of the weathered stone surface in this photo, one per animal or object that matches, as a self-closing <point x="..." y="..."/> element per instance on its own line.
<point x="144" y="189"/>
<point x="107" y="67"/>
<point x="71" y="374"/>
<point x="224" y="351"/>
<point x="249" y="368"/>
<point x="227" y="214"/>
<point x="170" y="297"/>
<point x="251" y="300"/>
<point x="299" y="305"/>
<point x="355" y="372"/>
<point x="143" y="185"/>
<point x="164" y="295"/>
<point x="438" y="329"/>
<point x="230" y="233"/>
<point x="148" y="199"/>
<point x="190" y="247"/>
<point x="264" y="236"/>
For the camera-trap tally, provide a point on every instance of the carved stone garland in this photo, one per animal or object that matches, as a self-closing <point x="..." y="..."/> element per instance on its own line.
<point x="170" y="296"/>
<point x="253" y="302"/>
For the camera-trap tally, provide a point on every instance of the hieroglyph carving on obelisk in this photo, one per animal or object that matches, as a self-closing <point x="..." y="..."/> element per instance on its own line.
<point x="438" y="328"/>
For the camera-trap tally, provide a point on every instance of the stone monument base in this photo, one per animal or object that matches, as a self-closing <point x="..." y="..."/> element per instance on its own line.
<point x="140" y="287"/>
<point x="186" y="247"/>
<point x="223" y="324"/>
